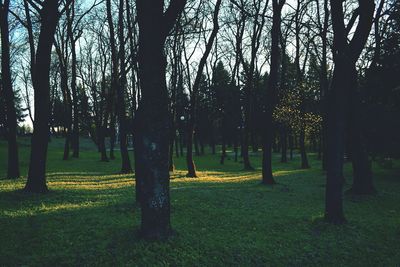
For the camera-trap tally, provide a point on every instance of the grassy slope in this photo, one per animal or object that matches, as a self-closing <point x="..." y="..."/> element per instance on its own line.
<point x="223" y="218"/>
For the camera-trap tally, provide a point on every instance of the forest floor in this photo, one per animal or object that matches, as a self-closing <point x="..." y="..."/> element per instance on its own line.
<point x="225" y="217"/>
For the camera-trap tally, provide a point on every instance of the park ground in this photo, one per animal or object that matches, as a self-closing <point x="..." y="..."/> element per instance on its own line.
<point x="225" y="217"/>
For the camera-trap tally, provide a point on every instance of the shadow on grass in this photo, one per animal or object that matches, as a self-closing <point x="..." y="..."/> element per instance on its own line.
<point x="94" y="221"/>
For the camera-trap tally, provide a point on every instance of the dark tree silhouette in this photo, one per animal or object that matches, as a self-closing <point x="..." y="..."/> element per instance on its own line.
<point x="362" y="170"/>
<point x="272" y="94"/>
<point x="118" y="81"/>
<point x="153" y="118"/>
<point x="7" y="92"/>
<point x="194" y="94"/>
<point x="49" y="16"/>
<point x="72" y="36"/>
<point x="344" y="83"/>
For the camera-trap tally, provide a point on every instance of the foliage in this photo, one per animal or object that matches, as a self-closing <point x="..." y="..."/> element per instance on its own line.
<point x="288" y="113"/>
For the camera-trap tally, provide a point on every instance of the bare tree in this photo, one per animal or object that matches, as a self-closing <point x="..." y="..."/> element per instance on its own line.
<point x="267" y="177"/>
<point x="49" y="16"/>
<point x="194" y="93"/>
<point x="7" y="92"/>
<point x="118" y="80"/>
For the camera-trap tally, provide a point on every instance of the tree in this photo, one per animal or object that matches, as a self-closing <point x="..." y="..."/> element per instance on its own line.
<point x="152" y="119"/>
<point x="362" y="170"/>
<point x="118" y="81"/>
<point x="6" y="91"/>
<point x="257" y="15"/>
<point x="62" y="52"/>
<point x="272" y="94"/>
<point x="49" y="16"/>
<point x="323" y="80"/>
<point x="194" y="93"/>
<point x="223" y="92"/>
<point x="299" y="80"/>
<point x="344" y="83"/>
<point x="70" y="12"/>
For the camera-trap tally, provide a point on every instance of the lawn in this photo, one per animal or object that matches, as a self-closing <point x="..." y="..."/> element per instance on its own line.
<point x="225" y="217"/>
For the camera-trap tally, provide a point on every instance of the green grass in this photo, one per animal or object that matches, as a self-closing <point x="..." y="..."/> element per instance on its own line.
<point x="226" y="217"/>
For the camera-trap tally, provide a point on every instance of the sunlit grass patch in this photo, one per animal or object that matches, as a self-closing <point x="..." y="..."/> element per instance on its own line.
<point x="223" y="217"/>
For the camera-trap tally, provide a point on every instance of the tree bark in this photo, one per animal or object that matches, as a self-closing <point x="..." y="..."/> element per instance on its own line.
<point x="324" y="84"/>
<point x="223" y="152"/>
<point x="304" y="158"/>
<point x="36" y="182"/>
<point x="362" y="171"/>
<point x="75" y="118"/>
<point x="112" y="129"/>
<point x="193" y="99"/>
<point x="153" y="124"/>
<point x="11" y="116"/>
<point x="336" y="122"/>
<point x="177" y="143"/>
<point x="62" y="52"/>
<point x="171" y="150"/>
<point x="283" y="144"/>
<point x="299" y="79"/>
<point x="119" y="82"/>
<point x="268" y="131"/>
<point x="339" y="99"/>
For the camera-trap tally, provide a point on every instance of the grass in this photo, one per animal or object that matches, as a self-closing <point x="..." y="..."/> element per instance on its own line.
<point x="226" y="217"/>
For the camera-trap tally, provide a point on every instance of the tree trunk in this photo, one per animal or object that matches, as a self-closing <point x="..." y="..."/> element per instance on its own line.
<point x="36" y="182"/>
<point x="176" y="146"/>
<point x="245" y="150"/>
<point x="75" y="118"/>
<point x="344" y="81"/>
<point x="181" y="143"/>
<point x="275" y="143"/>
<point x="153" y="124"/>
<point x="336" y="120"/>
<point x="283" y="144"/>
<point x="212" y="145"/>
<point x="189" y="151"/>
<point x="201" y="143"/>
<point x="172" y="139"/>
<point x="320" y="144"/>
<point x="235" y="146"/>
<point x="196" y="144"/>
<point x="171" y="154"/>
<point x="254" y="144"/>
<point x="268" y="131"/>
<point x="223" y="152"/>
<point x="304" y="159"/>
<point x="324" y="84"/>
<point x="66" y="146"/>
<point x="119" y="83"/>
<point x="291" y="148"/>
<point x="112" y="133"/>
<point x="245" y="140"/>
<point x="102" y="143"/>
<point x="195" y="89"/>
<point x="62" y="52"/>
<point x="362" y="171"/>
<point x="11" y="116"/>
